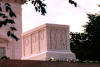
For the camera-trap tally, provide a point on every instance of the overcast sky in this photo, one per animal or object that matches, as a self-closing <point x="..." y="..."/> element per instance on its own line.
<point x="60" y="12"/>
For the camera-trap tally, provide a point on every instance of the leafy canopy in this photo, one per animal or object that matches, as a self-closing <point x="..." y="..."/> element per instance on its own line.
<point x="87" y="45"/>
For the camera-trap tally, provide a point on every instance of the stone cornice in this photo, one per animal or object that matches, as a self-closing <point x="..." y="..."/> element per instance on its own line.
<point x="37" y="29"/>
<point x="44" y="26"/>
<point x="3" y="40"/>
<point x="16" y="1"/>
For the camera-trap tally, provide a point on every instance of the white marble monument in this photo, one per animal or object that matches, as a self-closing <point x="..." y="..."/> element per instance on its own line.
<point x="45" y="41"/>
<point x="41" y="43"/>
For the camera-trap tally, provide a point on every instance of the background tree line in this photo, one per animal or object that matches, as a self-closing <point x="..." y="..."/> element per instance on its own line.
<point x="86" y="45"/>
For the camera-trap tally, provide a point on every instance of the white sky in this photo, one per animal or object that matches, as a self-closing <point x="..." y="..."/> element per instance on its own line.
<point x="60" y="12"/>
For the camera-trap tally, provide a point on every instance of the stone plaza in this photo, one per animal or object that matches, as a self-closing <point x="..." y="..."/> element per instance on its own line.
<point x="40" y="43"/>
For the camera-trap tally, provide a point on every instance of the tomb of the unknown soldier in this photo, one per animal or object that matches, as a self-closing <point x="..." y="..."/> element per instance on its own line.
<point x="40" y="43"/>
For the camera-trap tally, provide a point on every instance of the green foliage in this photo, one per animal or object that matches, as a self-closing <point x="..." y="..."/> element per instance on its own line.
<point x="10" y="34"/>
<point x="6" y="20"/>
<point x="85" y="61"/>
<point x="79" y="45"/>
<point x="39" y="6"/>
<point x="87" y="45"/>
<point x="92" y="28"/>
<point x="8" y="9"/>
<point x="4" y="58"/>
<point x="73" y="2"/>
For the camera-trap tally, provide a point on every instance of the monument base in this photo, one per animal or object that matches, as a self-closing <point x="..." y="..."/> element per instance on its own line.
<point x="58" y="54"/>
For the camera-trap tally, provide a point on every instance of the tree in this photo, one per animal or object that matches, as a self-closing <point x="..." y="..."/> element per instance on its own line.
<point x="40" y="6"/>
<point x="7" y="20"/>
<point x="79" y="45"/>
<point x="87" y="45"/>
<point x="92" y="28"/>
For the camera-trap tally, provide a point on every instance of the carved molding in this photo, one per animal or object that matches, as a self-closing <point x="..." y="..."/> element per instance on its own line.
<point x="3" y="40"/>
<point x="41" y="34"/>
<point x="34" y="38"/>
<point x="58" y="39"/>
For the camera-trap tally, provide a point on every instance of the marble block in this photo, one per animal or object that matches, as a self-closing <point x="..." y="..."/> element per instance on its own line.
<point x="41" y="43"/>
<point x="45" y="41"/>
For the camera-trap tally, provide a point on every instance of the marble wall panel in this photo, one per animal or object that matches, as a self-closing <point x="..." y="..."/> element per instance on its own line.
<point x="35" y="43"/>
<point x="52" y="39"/>
<point x="27" y="45"/>
<point x="58" y="38"/>
<point x="42" y="40"/>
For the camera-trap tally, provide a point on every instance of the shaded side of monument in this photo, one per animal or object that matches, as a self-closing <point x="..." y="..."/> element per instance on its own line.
<point x="46" y="41"/>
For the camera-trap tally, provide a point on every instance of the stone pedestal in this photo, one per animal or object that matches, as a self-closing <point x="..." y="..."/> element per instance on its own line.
<point x="45" y="41"/>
